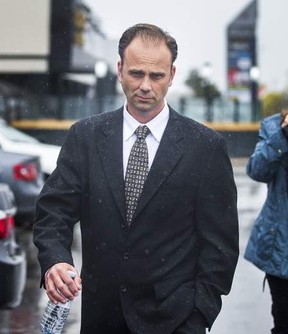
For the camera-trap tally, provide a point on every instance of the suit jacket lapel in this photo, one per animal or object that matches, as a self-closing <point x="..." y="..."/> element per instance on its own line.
<point x="111" y="147"/>
<point x="170" y="150"/>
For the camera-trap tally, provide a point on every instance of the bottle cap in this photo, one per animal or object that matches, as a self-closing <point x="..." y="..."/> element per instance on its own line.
<point x="72" y="273"/>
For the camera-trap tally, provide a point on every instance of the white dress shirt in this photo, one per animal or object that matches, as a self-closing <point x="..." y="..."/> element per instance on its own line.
<point x="156" y="126"/>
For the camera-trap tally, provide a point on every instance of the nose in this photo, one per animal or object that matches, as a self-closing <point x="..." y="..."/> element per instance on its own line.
<point x="145" y="85"/>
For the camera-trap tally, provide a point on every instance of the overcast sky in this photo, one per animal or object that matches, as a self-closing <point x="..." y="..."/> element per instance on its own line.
<point x="199" y="27"/>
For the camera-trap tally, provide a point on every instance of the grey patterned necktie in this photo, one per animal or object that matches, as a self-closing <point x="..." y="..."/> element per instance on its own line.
<point x="136" y="172"/>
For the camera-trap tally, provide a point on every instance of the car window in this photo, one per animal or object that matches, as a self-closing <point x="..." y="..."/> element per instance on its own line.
<point x="15" y="135"/>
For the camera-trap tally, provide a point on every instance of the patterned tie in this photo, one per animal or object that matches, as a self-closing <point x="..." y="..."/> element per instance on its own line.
<point x="136" y="172"/>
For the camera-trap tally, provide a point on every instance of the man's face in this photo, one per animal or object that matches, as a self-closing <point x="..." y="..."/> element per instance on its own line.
<point x="145" y="75"/>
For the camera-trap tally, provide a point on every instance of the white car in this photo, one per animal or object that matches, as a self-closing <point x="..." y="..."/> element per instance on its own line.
<point x="13" y="140"/>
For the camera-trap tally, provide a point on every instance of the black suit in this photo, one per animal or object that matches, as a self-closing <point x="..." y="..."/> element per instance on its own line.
<point x="171" y="266"/>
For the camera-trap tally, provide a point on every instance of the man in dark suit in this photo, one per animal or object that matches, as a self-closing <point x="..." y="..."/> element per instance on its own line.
<point x="157" y="265"/>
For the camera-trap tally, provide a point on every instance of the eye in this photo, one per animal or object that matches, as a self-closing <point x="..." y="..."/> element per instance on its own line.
<point x="156" y="76"/>
<point x="136" y="74"/>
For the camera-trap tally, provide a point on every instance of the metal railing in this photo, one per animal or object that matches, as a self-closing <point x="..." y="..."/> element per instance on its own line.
<point x="76" y="107"/>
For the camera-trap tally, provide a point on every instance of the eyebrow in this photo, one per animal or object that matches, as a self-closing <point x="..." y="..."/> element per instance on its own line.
<point x="135" y="71"/>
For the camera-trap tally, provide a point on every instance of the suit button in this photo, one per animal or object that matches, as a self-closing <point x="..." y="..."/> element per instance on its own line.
<point x="123" y="288"/>
<point x="126" y="256"/>
<point x="123" y="225"/>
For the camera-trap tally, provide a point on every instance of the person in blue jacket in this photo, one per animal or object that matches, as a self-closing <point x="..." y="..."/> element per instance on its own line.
<point x="267" y="247"/>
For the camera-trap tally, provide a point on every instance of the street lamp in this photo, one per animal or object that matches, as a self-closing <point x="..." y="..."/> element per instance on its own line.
<point x="206" y="73"/>
<point x="254" y="74"/>
<point x="101" y="70"/>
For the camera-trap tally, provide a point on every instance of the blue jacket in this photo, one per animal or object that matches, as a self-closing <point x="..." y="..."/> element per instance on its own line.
<point x="268" y="244"/>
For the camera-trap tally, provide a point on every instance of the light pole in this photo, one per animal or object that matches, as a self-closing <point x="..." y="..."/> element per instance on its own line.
<point x="101" y="70"/>
<point x="206" y="73"/>
<point x="254" y="79"/>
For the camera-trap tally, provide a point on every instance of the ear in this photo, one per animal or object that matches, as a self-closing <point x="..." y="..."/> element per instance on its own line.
<point x="119" y="68"/>
<point x="172" y="74"/>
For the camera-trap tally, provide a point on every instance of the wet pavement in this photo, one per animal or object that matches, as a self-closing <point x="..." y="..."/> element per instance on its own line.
<point x="245" y="311"/>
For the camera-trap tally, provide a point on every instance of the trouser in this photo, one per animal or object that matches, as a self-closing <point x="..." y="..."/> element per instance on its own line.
<point x="279" y="293"/>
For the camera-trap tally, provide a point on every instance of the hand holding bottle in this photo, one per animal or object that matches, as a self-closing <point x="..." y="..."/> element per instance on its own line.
<point x="59" y="285"/>
<point x="56" y="314"/>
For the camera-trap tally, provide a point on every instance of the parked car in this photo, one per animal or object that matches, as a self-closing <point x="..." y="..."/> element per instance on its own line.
<point x="13" y="262"/>
<point x="24" y="176"/>
<point x="13" y="140"/>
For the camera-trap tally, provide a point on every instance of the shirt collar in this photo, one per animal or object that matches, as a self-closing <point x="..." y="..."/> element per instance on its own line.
<point x="156" y="126"/>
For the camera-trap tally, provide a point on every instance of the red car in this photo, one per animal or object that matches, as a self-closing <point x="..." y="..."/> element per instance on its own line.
<point x="12" y="256"/>
<point x="24" y="176"/>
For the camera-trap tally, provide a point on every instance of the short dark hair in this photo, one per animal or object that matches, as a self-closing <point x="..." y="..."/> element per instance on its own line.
<point x="148" y="32"/>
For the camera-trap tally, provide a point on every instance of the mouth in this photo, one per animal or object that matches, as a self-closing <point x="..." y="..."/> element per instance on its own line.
<point x="143" y="98"/>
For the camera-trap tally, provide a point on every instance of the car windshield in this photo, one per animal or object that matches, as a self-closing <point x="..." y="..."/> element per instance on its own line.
<point x="15" y="135"/>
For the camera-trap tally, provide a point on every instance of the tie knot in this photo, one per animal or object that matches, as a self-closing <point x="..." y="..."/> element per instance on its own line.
<point x="142" y="131"/>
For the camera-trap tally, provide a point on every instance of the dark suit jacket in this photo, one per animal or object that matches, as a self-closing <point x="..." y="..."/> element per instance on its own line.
<point x="178" y="256"/>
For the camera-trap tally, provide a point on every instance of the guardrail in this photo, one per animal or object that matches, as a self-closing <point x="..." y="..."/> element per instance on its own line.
<point x="240" y="137"/>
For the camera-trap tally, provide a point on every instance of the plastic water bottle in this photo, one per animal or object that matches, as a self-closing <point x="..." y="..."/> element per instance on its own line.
<point x="55" y="316"/>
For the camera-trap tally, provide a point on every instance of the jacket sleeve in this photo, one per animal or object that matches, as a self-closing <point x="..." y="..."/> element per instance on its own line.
<point x="270" y="151"/>
<point x="217" y="225"/>
<point x="57" y="208"/>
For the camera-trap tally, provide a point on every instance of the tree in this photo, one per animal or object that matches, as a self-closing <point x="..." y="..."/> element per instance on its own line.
<point x="203" y="88"/>
<point x="273" y="103"/>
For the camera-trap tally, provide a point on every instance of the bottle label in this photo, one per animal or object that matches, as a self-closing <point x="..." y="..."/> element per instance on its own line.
<point x="54" y="318"/>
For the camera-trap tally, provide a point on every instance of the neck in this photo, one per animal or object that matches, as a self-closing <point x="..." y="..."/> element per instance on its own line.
<point x="144" y="116"/>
